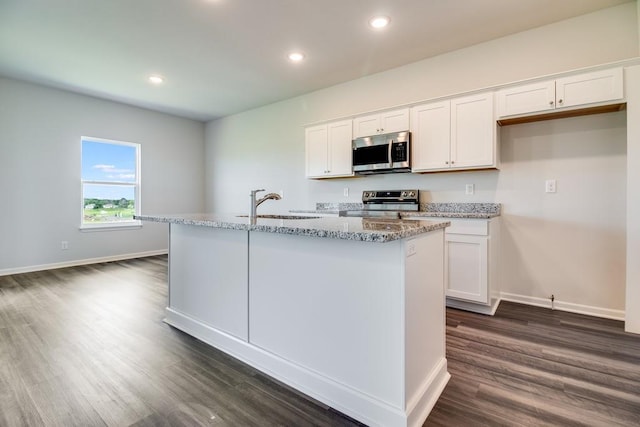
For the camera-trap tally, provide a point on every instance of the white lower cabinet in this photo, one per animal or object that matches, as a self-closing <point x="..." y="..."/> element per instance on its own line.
<point x="471" y="251"/>
<point x="466" y="260"/>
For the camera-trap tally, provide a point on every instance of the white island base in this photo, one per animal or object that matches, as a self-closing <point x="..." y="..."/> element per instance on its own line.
<point x="359" y="326"/>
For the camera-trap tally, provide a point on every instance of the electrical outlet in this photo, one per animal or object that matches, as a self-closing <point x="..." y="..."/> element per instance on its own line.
<point x="469" y="189"/>
<point x="64" y="245"/>
<point x="411" y="249"/>
<point x="345" y="192"/>
<point x="550" y="186"/>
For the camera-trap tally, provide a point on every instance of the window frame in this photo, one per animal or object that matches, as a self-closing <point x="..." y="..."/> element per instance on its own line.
<point x="112" y="225"/>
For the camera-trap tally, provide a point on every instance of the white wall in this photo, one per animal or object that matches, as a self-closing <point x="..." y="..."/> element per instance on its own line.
<point x="632" y="81"/>
<point x="264" y="148"/>
<point x="572" y="243"/>
<point x="40" y="130"/>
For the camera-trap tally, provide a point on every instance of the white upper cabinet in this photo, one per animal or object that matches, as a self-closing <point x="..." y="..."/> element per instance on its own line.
<point x="530" y="98"/>
<point x="328" y="150"/>
<point x="431" y="136"/>
<point x="316" y="150"/>
<point x="473" y="132"/>
<point x="568" y="92"/>
<point x="380" y="123"/>
<point x="599" y="86"/>
<point x="454" y="134"/>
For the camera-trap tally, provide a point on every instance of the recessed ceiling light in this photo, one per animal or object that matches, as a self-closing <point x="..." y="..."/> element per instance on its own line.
<point x="156" y="80"/>
<point x="296" y="56"/>
<point x="379" y="21"/>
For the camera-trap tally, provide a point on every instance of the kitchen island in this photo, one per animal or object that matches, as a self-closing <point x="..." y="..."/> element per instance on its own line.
<point x="349" y="311"/>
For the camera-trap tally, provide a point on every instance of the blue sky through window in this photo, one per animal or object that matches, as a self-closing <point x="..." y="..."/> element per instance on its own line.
<point x="108" y="162"/>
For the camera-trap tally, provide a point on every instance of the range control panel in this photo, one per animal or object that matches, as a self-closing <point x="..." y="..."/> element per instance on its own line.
<point x="390" y="196"/>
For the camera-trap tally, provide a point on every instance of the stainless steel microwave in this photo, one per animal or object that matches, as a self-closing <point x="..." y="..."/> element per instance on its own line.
<point x="386" y="153"/>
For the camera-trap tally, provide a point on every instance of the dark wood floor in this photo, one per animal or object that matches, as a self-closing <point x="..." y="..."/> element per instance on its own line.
<point x="86" y="346"/>
<point x="531" y="366"/>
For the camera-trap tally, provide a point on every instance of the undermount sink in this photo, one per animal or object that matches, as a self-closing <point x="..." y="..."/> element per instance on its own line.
<point x="281" y="216"/>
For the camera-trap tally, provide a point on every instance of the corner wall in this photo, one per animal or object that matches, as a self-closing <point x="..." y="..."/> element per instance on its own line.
<point x="40" y="130"/>
<point x="571" y="244"/>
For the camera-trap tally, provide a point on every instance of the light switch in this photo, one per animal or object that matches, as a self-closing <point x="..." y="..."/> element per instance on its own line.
<point x="468" y="189"/>
<point x="550" y="186"/>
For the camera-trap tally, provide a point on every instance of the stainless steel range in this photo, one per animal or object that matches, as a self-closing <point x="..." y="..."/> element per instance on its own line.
<point x="386" y="203"/>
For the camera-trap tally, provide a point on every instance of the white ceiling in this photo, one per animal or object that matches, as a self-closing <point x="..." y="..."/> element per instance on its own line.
<point x="220" y="57"/>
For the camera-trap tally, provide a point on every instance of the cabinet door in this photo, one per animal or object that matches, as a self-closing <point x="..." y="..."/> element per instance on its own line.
<point x="473" y="132"/>
<point x="316" y="151"/>
<point x="340" y="152"/>
<point x="430" y="128"/>
<point x="466" y="267"/>
<point x="599" y="86"/>
<point x="366" y="125"/>
<point x="394" y="121"/>
<point x="387" y="122"/>
<point x="531" y="98"/>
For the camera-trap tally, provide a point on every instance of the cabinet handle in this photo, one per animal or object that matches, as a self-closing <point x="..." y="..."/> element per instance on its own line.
<point x="446" y="163"/>
<point x="381" y="129"/>
<point x="559" y="101"/>
<point x="452" y="162"/>
<point x="550" y="102"/>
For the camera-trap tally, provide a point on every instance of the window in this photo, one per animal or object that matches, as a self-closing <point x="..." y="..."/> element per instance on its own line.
<point x="110" y="183"/>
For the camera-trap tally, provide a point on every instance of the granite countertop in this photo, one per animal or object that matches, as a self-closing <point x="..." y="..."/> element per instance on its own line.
<point x="360" y="229"/>
<point x="456" y="210"/>
<point x="427" y="210"/>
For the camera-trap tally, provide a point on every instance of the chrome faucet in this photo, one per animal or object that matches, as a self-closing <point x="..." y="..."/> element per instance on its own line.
<point x="255" y="203"/>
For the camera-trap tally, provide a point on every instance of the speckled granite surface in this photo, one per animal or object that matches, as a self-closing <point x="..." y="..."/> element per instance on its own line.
<point x="457" y="210"/>
<point x="360" y="229"/>
<point x="339" y="206"/>
<point x="433" y="210"/>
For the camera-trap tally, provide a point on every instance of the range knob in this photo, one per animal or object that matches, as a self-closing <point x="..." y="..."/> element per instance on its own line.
<point x="403" y="194"/>
<point x="412" y="194"/>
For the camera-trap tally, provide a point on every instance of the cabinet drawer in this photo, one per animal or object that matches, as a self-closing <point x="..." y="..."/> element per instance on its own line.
<point x="477" y="227"/>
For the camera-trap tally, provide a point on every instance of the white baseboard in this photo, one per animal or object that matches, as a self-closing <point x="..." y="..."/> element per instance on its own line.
<point x="606" y="313"/>
<point x="489" y="310"/>
<point x="431" y="389"/>
<point x="74" y="263"/>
